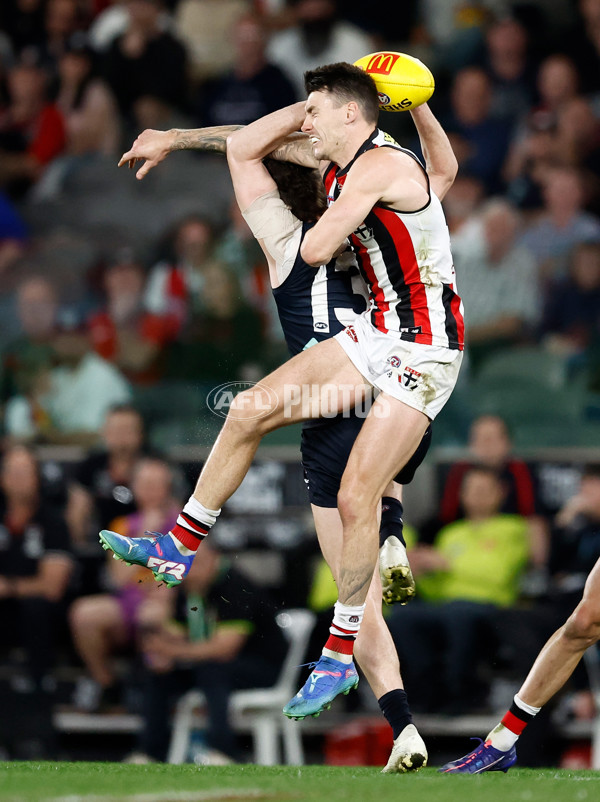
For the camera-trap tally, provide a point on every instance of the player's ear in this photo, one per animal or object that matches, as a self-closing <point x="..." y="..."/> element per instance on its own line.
<point x="352" y="111"/>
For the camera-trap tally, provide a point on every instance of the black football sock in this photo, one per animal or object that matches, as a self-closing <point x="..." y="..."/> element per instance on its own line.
<point x="394" y="706"/>
<point x="391" y="520"/>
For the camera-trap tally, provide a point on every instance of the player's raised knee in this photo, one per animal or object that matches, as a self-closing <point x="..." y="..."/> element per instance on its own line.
<point x="584" y="624"/>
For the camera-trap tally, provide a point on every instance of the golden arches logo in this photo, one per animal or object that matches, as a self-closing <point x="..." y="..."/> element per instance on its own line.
<point x="382" y="63"/>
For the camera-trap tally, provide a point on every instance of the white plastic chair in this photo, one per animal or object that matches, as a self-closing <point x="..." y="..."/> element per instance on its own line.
<point x="260" y="708"/>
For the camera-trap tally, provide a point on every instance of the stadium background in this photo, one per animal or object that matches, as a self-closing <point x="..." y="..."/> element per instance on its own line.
<point x="114" y="291"/>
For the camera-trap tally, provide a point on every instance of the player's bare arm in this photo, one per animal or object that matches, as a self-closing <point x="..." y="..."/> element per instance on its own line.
<point x="151" y="147"/>
<point x="247" y="147"/>
<point x="383" y="175"/>
<point x="440" y="161"/>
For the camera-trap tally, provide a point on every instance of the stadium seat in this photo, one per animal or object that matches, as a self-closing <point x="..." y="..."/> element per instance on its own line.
<point x="515" y="364"/>
<point x="259" y="707"/>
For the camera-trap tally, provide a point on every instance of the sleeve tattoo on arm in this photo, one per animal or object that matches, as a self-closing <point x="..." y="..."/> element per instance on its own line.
<point x="205" y="139"/>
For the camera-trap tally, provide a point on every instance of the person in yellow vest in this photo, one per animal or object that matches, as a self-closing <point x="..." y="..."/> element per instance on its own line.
<point x="473" y="568"/>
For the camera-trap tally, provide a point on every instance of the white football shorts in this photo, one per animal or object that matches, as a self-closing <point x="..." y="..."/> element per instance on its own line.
<point x="422" y="376"/>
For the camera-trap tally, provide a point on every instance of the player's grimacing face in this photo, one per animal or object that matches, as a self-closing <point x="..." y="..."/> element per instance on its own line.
<point x="323" y="122"/>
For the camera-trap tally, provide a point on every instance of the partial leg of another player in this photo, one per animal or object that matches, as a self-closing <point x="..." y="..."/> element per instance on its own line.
<point x="388" y="437"/>
<point x="376" y="654"/>
<point x="551" y="670"/>
<point x="397" y="581"/>
<point x="396" y="578"/>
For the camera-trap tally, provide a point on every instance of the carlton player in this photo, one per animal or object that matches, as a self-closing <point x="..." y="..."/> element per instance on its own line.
<point x="408" y="344"/>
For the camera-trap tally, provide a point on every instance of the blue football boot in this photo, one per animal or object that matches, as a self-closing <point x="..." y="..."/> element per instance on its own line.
<point x="485" y="757"/>
<point x="156" y="552"/>
<point x="328" y="679"/>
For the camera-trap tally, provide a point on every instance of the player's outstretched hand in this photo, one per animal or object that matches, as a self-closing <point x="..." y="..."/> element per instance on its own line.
<point x="151" y="147"/>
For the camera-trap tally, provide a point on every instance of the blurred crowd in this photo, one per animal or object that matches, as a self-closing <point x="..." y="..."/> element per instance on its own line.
<point x="123" y="304"/>
<point x="105" y="283"/>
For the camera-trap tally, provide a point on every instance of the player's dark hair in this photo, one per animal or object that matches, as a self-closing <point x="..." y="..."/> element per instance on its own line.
<point x="300" y="188"/>
<point x="345" y="82"/>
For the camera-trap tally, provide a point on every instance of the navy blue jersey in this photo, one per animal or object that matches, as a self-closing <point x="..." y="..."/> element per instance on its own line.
<point x="315" y="303"/>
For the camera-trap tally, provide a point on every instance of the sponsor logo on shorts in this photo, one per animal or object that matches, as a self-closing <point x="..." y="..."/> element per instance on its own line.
<point x="394" y="361"/>
<point x="351" y="332"/>
<point x="410" y="378"/>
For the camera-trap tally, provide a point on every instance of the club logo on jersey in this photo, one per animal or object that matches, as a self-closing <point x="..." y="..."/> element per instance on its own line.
<point x="382" y="63"/>
<point x="350" y="331"/>
<point x="410" y="378"/>
<point x="383" y="98"/>
<point x="364" y="233"/>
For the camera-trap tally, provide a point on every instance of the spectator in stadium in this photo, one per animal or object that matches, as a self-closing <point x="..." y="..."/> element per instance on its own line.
<point x="463" y="201"/>
<point x="62" y="18"/>
<point x="225" y="340"/>
<point x="473" y="567"/>
<point x="217" y="633"/>
<point x="318" y="36"/>
<point x="480" y="140"/>
<point x="123" y="332"/>
<point x="68" y="403"/>
<point x="205" y="26"/>
<point x="104" y="624"/>
<point x="32" y="129"/>
<point x="563" y="223"/>
<point x="13" y="236"/>
<point x="535" y="146"/>
<point x="508" y="64"/>
<point x="102" y="487"/>
<point x="31" y="353"/>
<point x="176" y="283"/>
<point x="490" y="264"/>
<point x="35" y="563"/>
<point x="253" y="88"/>
<point x="146" y="63"/>
<point x="571" y="320"/>
<point x="23" y="22"/>
<point x="490" y="445"/>
<point x="87" y="105"/>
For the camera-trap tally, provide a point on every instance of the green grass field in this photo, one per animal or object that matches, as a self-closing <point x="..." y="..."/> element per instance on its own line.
<point x="116" y="782"/>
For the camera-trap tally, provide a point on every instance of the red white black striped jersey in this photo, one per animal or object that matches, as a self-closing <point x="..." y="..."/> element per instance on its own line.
<point x="406" y="261"/>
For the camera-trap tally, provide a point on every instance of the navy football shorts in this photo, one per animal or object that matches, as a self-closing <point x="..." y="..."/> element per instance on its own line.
<point x="325" y="450"/>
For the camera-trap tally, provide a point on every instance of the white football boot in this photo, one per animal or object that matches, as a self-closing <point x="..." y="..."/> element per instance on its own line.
<point x="409" y="752"/>
<point x="397" y="581"/>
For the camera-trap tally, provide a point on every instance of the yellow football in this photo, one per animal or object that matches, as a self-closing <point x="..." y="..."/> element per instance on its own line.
<point x="403" y="82"/>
